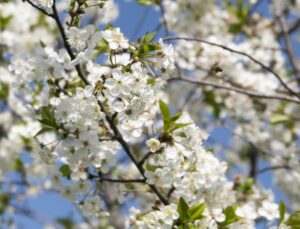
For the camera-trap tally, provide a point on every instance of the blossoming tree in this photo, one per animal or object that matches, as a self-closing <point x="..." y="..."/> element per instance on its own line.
<point x="119" y="127"/>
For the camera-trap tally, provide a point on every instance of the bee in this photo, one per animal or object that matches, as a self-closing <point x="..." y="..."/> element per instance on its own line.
<point x="215" y="68"/>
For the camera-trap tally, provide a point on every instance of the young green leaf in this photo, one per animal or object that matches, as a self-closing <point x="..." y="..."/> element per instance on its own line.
<point x="146" y="2"/>
<point x="230" y="217"/>
<point x="66" y="171"/>
<point x="164" y="110"/>
<point x="294" y="220"/>
<point x="282" y="210"/>
<point x="196" y="212"/>
<point x="183" y="210"/>
<point x="148" y="37"/>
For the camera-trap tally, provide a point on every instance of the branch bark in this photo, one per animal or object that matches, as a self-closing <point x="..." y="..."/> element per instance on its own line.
<point x="237" y="90"/>
<point x="240" y="53"/>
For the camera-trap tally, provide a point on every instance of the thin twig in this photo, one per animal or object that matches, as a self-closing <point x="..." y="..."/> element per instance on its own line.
<point x="235" y="89"/>
<point x="142" y="161"/>
<point x="240" y="53"/>
<point x="66" y="44"/>
<point x="289" y="47"/>
<point x="143" y="181"/>
<point x="292" y="28"/>
<point x="40" y="9"/>
<point x="271" y="168"/>
<point x="162" y="10"/>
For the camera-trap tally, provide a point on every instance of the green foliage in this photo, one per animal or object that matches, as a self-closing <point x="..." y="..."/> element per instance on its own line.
<point x="281" y="119"/>
<point x="170" y="121"/>
<point x="241" y="11"/>
<point x="4" y="21"/>
<point x="66" y="171"/>
<point x="66" y="223"/>
<point x="182" y="210"/>
<point x="19" y="166"/>
<point x="189" y="214"/>
<point x="148" y="2"/>
<point x="245" y="187"/>
<point x="282" y="211"/>
<point x="4" y="90"/>
<point x="294" y="220"/>
<point x="102" y="47"/>
<point x="47" y="119"/>
<point x="230" y="217"/>
<point x="42" y="44"/>
<point x="146" y="46"/>
<point x="210" y="99"/>
<point x="151" y="81"/>
<point x="4" y="202"/>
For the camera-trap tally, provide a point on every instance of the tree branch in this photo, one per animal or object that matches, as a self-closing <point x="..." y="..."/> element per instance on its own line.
<point x="235" y="89"/>
<point x="240" y="53"/>
<point x="275" y="167"/>
<point x="289" y="47"/>
<point x="40" y="9"/>
<point x="66" y="44"/>
<point x="123" y="181"/>
<point x="109" y="119"/>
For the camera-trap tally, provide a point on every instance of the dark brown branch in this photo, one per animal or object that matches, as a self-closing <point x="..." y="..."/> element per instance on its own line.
<point x="289" y="47"/>
<point x="235" y="89"/>
<point x="127" y="149"/>
<point x="109" y="119"/>
<point x="141" y="163"/>
<point x="240" y="53"/>
<point x="143" y="181"/>
<point x="66" y="44"/>
<point x="271" y="168"/>
<point x="171" y="192"/>
<point x="40" y="9"/>
<point x="292" y="28"/>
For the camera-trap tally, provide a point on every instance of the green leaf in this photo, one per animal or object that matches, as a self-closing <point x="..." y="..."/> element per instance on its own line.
<point x="282" y="211"/>
<point x="44" y="130"/>
<point x="183" y="210"/>
<point x="151" y="168"/>
<point x="4" y="91"/>
<point x="169" y="120"/>
<point x="149" y="37"/>
<point x="19" y="166"/>
<point x="4" y="202"/>
<point x="4" y="21"/>
<point x="151" y="81"/>
<point x="241" y="11"/>
<point x="164" y="109"/>
<point x="294" y="220"/>
<point x="47" y="119"/>
<point x="66" y="171"/>
<point x="176" y="126"/>
<point x="196" y="212"/>
<point x="210" y="99"/>
<point x="146" y="2"/>
<point x="42" y="44"/>
<point x="66" y="223"/>
<point x="246" y="187"/>
<point x="176" y="116"/>
<point x="102" y="47"/>
<point x="278" y="118"/>
<point x="230" y="217"/>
